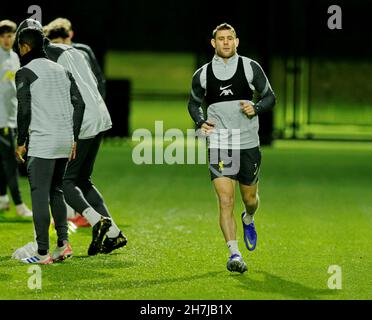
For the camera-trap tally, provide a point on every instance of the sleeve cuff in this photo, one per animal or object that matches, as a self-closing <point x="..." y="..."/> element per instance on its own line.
<point x="21" y="141"/>
<point x="200" y="123"/>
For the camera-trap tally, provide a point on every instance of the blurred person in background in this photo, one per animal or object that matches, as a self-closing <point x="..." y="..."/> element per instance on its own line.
<point x="9" y="64"/>
<point x="60" y="31"/>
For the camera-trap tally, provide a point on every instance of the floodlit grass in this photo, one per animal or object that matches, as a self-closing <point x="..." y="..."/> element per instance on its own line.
<point x="316" y="211"/>
<point x="173" y="113"/>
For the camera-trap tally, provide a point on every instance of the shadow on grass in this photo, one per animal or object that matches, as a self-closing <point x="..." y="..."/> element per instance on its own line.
<point x="5" y="219"/>
<point x="133" y="284"/>
<point x="96" y="262"/>
<point x="116" y="284"/>
<point x="4" y="258"/>
<point x="273" y="284"/>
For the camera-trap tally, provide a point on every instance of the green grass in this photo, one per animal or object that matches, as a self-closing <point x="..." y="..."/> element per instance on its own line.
<point x="316" y="211"/>
<point x="173" y="113"/>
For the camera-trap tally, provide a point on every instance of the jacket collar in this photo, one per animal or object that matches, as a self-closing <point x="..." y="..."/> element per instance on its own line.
<point x="217" y="59"/>
<point x="31" y="55"/>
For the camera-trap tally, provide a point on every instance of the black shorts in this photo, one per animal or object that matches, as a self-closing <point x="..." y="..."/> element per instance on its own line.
<point x="242" y="165"/>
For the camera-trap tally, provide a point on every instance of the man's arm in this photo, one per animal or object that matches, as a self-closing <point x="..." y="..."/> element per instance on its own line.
<point x="24" y="78"/>
<point x="78" y="104"/>
<point x="262" y="85"/>
<point x="196" y="99"/>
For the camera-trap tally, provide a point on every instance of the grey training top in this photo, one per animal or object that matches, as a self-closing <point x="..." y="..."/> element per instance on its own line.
<point x="9" y="64"/>
<point x="50" y="109"/>
<point x="96" y="116"/>
<point x="227" y="115"/>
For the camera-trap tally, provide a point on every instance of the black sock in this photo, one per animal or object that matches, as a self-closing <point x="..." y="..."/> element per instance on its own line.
<point x="60" y="243"/>
<point x="42" y="252"/>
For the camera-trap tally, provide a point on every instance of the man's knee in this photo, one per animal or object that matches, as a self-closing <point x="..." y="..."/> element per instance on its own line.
<point x="250" y="200"/>
<point x="226" y="201"/>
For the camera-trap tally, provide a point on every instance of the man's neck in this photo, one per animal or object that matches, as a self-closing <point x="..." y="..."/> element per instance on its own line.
<point x="226" y="60"/>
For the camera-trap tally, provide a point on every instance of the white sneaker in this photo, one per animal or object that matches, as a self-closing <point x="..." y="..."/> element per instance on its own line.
<point x="62" y="253"/>
<point x="38" y="259"/>
<point x="4" y="203"/>
<point x="25" y="251"/>
<point x="23" y="211"/>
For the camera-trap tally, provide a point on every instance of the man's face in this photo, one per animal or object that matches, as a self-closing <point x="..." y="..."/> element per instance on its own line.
<point x="225" y="43"/>
<point x="23" y="49"/>
<point x="7" y="40"/>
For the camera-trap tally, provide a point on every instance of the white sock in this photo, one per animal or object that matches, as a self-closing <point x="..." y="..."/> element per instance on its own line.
<point x="233" y="247"/>
<point x="113" y="231"/>
<point x="91" y="215"/>
<point x="248" y="218"/>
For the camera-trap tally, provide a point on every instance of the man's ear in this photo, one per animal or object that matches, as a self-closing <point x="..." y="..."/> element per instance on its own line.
<point x="213" y="43"/>
<point x="71" y="34"/>
<point x="237" y="42"/>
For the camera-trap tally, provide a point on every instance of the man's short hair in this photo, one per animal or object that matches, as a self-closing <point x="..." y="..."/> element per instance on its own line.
<point x="223" y="26"/>
<point x="32" y="37"/>
<point x="54" y="33"/>
<point x="61" y="23"/>
<point x="7" y="26"/>
<point x="58" y="28"/>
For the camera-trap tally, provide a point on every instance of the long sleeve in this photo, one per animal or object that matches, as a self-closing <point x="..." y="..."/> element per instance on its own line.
<point x="96" y="69"/>
<point x="262" y="85"/>
<point x="196" y="99"/>
<point x="24" y="78"/>
<point x="78" y="104"/>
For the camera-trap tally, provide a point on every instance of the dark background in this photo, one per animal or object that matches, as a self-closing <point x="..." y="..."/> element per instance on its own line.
<point x="272" y="27"/>
<point x="285" y="29"/>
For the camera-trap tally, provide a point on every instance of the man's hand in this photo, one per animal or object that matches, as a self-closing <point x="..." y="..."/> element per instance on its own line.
<point x="247" y="108"/>
<point x="20" y="152"/>
<point x="73" y="152"/>
<point x="207" y="127"/>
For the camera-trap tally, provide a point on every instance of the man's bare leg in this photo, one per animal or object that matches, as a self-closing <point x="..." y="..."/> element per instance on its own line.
<point x="225" y="189"/>
<point x="250" y="199"/>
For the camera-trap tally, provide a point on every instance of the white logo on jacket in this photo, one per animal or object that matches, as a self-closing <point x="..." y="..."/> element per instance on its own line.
<point x="226" y="91"/>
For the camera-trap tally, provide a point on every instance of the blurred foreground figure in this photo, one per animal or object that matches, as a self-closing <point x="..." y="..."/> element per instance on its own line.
<point x="9" y="64"/>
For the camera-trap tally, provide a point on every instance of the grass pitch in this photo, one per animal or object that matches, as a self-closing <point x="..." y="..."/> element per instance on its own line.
<point x="316" y="211"/>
